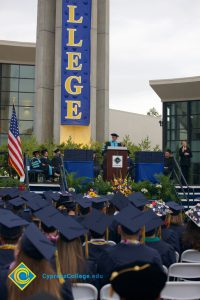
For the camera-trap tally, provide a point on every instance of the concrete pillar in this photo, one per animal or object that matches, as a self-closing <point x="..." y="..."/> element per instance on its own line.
<point x="102" y="101"/>
<point x="45" y="54"/>
<point x="57" y="73"/>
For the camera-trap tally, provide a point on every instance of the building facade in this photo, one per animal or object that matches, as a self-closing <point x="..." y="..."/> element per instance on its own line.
<point x="181" y="117"/>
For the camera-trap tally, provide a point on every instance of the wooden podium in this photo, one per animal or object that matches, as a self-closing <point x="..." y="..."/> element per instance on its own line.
<point x="115" y="163"/>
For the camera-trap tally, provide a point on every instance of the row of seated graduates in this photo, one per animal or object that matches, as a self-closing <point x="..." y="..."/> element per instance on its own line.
<point x="65" y="221"/>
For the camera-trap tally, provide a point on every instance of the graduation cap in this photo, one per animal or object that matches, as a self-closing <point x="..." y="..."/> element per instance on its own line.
<point x="46" y="214"/>
<point x="51" y="196"/>
<point x="99" y="202"/>
<point x="140" y="280"/>
<point x="194" y="214"/>
<point x="119" y="201"/>
<point x="131" y="218"/>
<point x="138" y="199"/>
<point x="36" y="152"/>
<point x="26" y="195"/>
<point x="68" y="227"/>
<point x="160" y="208"/>
<point x="1" y="203"/>
<point x="36" y="245"/>
<point x="11" y="193"/>
<point x="36" y="203"/>
<point x="17" y="202"/>
<point x="97" y="221"/>
<point x="11" y="225"/>
<point x="114" y="134"/>
<point x="175" y="207"/>
<point x="84" y="202"/>
<point x="152" y="221"/>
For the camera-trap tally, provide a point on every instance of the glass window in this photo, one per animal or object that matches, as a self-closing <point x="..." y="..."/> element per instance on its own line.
<point x="195" y="145"/>
<point x="195" y="157"/>
<point x="6" y="112"/>
<point x="195" y="121"/>
<point x="9" y="84"/>
<point x="27" y="71"/>
<point x="195" y="135"/>
<point x="4" y="125"/>
<point x="10" y="70"/>
<point x="6" y="98"/>
<point x="26" y="127"/>
<point x="26" y="85"/>
<point x="26" y="99"/>
<point x="195" y="107"/>
<point x="26" y="113"/>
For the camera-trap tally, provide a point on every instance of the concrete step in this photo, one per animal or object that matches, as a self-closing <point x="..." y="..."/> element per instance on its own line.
<point x="43" y="187"/>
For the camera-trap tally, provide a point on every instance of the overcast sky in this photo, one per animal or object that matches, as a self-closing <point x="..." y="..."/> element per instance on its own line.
<point x="149" y="39"/>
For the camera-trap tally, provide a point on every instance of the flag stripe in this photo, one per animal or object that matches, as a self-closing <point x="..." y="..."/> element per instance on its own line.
<point x="15" y="156"/>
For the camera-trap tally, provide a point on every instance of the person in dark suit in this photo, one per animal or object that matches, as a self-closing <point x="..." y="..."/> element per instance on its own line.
<point x="185" y="155"/>
<point x="46" y="165"/>
<point x="168" y="163"/>
<point x="56" y="162"/>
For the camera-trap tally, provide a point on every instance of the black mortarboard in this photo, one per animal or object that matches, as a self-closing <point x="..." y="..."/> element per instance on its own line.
<point x="152" y="221"/>
<point x="17" y="202"/>
<point x="130" y="218"/>
<point x="36" y="245"/>
<point x="56" y="150"/>
<point x="68" y="227"/>
<point x="26" y="195"/>
<point x="12" y="193"/>
<point x="3" y="192"/>
<point x="36" y="203"/>
<point x="84" y="202"/>
<point x="175" y="207"/>
<point x="49" y="195"/>
<point x="159" y="207"/>
<point x="114" y="134"/>
<point x="1" y="203"/>
<point x="98" y="202"/>
<point x="97" y="221"/>
<point x="194" y="214"/>
<point x="46" y="214"/>
<point x="10" y="225"/>
<point x="138" y="199"/>
<point x="140" y="280"/>
<point x="36" y="152"/>
<point x="119" y="201"/>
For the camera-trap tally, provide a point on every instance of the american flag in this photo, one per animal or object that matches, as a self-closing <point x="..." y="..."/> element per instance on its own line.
<point x="15" y="157"/>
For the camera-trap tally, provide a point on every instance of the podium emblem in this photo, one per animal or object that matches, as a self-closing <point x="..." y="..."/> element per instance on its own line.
<point x="117" y="161"/>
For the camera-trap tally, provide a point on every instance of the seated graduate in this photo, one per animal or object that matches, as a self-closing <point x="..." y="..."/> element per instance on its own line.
<point x="35" y="251"/>
<point x="163" y="211"/>
<point x="35" y="161"/>
<point x="46" y="165"/>
<point x="17" y="206"/>
<point x="70" y="252"/>
<point x="130" y="249"/>
<point x="113" y="142"/>
<point x="140" y="280"/>
<point x="168" y="163"/>
<point x="176" y="222"/>
<point x="83" y="207"/>
<point x="10" y="232"/>
<point x="98" y="224"/>
<point x="153" y="238"/>
<point x="191" y="236"/>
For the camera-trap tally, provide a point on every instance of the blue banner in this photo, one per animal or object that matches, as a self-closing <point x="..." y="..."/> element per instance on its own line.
<point x="75" y="77"/>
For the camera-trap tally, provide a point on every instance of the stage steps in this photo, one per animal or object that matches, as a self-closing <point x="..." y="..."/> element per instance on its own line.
<point x="40" y="188"/>
<point x="191" y="196"/>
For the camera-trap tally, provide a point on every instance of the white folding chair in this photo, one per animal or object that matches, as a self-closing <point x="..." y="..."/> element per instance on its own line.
<point x="105" y="293"/>
<point x="177" y="256"/>
<point x="191" y="256"/>
<point x="84" y="291"/>
<point x="184" y="271"/>
<point x="186" y="290"/>
<point x="165" y="269"/>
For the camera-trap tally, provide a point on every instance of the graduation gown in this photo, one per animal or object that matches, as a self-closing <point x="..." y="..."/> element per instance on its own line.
<point x="179" y="231"/>
<point x="6" y="256"/>
<point x="169" y="236"/>
<point x="95" y="248"/>
<point x="165" y="250"/>
<point x="123" y="254"/>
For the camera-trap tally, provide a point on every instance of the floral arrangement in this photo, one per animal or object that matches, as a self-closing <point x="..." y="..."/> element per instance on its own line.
<point x="91" y="194"/>
<point x="120" y="185"/>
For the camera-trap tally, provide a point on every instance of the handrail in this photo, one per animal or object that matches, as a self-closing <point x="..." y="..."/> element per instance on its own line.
<point x="26" y="171"/>
<point x="180" y="182"/>
<point x="63" y="176"/>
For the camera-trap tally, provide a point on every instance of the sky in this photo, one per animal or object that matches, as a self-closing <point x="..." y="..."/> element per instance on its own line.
<point x="149" y="39"/>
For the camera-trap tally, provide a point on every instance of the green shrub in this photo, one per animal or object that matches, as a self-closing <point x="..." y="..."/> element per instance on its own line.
<point x="9" y="182"/>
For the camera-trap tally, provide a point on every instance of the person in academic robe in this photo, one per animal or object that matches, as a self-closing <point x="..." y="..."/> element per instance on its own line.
<point x="35" y="161"/>
<point x="56" y="163"/>
<point x="130" y="249"/>
<point x="46" y="165"/>
<point x="153" y="238"/>
<point x="35" y="251"/>
<point x="185" y="155"/>
<point x="168" y="164"/>
<point x="113" y="142"/>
